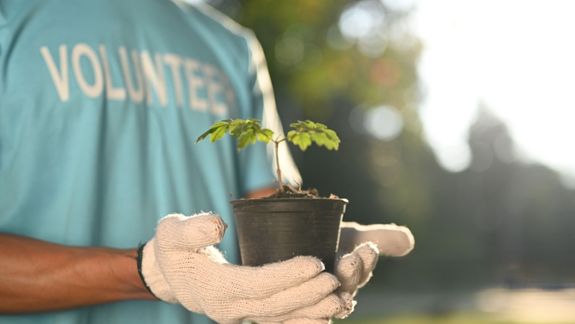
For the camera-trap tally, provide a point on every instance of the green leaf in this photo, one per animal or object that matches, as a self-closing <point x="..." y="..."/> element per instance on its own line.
<point x="305" y="132"/>
<point x="303" y="140"/>
<point x="319" y="139"/>
<point x="237" y="126"/>
<point x="246" y="131"/>
<point x="265" y="135"/>
<point x="246" y="138"/>
<point x="217" y="126"/>
<point x="204" y="135"/>
<point x="218" y="133"/>
<point x="249" y="131"/>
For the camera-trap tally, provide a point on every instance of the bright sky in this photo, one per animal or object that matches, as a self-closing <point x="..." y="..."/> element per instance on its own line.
<point x="517" y="56"/>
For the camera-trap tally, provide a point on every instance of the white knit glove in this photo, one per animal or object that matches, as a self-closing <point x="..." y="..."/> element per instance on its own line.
<point x="359" y="248"/>
<point x="366" y="243"/>
<point x="391" y="239"/>
<point x="180" y="265"/>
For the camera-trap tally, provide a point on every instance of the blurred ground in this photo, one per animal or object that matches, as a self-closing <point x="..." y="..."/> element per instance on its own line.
<point x="496" y="306"/>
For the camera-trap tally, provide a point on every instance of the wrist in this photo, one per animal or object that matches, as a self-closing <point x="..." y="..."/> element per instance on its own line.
<point x="139" y="257"/>
<point x="128" y="278"/>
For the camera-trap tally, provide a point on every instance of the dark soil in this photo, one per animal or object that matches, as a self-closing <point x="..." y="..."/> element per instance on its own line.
<point x="290" y="192"/>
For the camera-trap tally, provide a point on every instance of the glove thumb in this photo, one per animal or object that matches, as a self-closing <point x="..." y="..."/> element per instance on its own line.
<point x="177" y="232"/>
<point x="391" y="239"/>
<point x="180" y="232"/>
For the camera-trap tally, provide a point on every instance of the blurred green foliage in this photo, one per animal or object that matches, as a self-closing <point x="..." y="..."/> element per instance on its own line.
<point x="313" y="64"/>
<point x="328" y="78"/>
<point x="504" y="223"/>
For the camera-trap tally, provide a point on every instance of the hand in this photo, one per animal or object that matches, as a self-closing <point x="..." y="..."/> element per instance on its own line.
<point x="180" y="265"/>
<point x="366" y="243"/>
<point x="359" y="248"/>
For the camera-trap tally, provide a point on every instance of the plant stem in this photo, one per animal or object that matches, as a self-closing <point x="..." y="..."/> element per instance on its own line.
<point x="278" y="170"/>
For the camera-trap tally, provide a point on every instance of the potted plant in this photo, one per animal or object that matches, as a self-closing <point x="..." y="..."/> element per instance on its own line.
<point x="291" y="221"/>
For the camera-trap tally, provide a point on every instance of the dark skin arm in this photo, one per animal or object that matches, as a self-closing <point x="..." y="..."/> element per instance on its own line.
<point x="38" y="276"/>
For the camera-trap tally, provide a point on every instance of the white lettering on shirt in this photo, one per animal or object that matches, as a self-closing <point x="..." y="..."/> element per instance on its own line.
<point x="140" y="75"/>
<point x="215" y="94"/>
<point x="111" y="92"/>
<point x="136" y="92"/>
<point x="90" y="90"/>
<point x="196" y="83"/>
<point x="154" y="76"/>
<point x="59" y="77"/>
<point x="174" y="61"/>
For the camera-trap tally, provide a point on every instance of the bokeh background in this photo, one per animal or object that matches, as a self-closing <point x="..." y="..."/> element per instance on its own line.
<point x="456" y="120"/>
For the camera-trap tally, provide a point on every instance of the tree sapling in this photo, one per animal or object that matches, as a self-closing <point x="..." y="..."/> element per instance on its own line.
<point x="249" y="131"/>
<point x="290" y="222"/>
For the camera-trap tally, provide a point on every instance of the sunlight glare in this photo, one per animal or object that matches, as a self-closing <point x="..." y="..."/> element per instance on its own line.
<point x="514" y="55"/>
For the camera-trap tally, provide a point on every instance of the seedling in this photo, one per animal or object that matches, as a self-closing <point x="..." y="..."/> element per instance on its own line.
<point x="249" y="131"/>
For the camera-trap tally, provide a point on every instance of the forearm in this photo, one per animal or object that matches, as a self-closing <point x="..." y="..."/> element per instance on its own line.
<point x="40" y="276"/>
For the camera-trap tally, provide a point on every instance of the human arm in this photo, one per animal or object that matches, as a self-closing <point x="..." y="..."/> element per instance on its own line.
<point x="37" y="276"/>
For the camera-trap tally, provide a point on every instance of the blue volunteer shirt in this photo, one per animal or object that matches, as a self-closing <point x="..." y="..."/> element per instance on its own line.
<point x="100" y="105"/>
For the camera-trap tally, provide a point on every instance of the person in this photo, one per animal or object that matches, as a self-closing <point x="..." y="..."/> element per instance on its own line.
<point x="100" y="104"/>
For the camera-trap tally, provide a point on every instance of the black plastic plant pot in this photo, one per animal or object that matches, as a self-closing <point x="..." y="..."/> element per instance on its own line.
<point x="277" y="229"/>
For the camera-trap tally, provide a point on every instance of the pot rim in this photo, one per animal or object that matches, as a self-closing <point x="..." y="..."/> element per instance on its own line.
<point x="298" y="199"/>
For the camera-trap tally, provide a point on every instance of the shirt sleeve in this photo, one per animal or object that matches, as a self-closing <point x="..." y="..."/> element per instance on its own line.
<point x="257" y="164"/>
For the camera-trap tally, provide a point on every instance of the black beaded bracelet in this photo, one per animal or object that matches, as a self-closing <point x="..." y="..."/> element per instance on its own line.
<point x="140" y="256"/>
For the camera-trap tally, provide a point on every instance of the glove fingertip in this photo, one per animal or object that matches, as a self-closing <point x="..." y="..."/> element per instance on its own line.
<point x="349" y="305"/>
<point x="209" y="224"/>
<point x="369" y="254"/>
<point x="176" y="231"/>
<point x="410" y="239"/>
<point x="348" y="266"/>
<point x="399" y="243"/>
<point x="348" y="270"/>
<point x="309" y="264"/>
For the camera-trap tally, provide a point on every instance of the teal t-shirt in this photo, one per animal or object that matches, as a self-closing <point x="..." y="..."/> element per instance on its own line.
<point x="100" y="105"/>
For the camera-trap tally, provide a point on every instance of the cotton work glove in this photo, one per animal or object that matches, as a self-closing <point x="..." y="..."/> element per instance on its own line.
<point x="181" y="265"/>
<point x="390" y="239"/>
<point x="359" y="249"/>
<point x="365" y="243"/>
